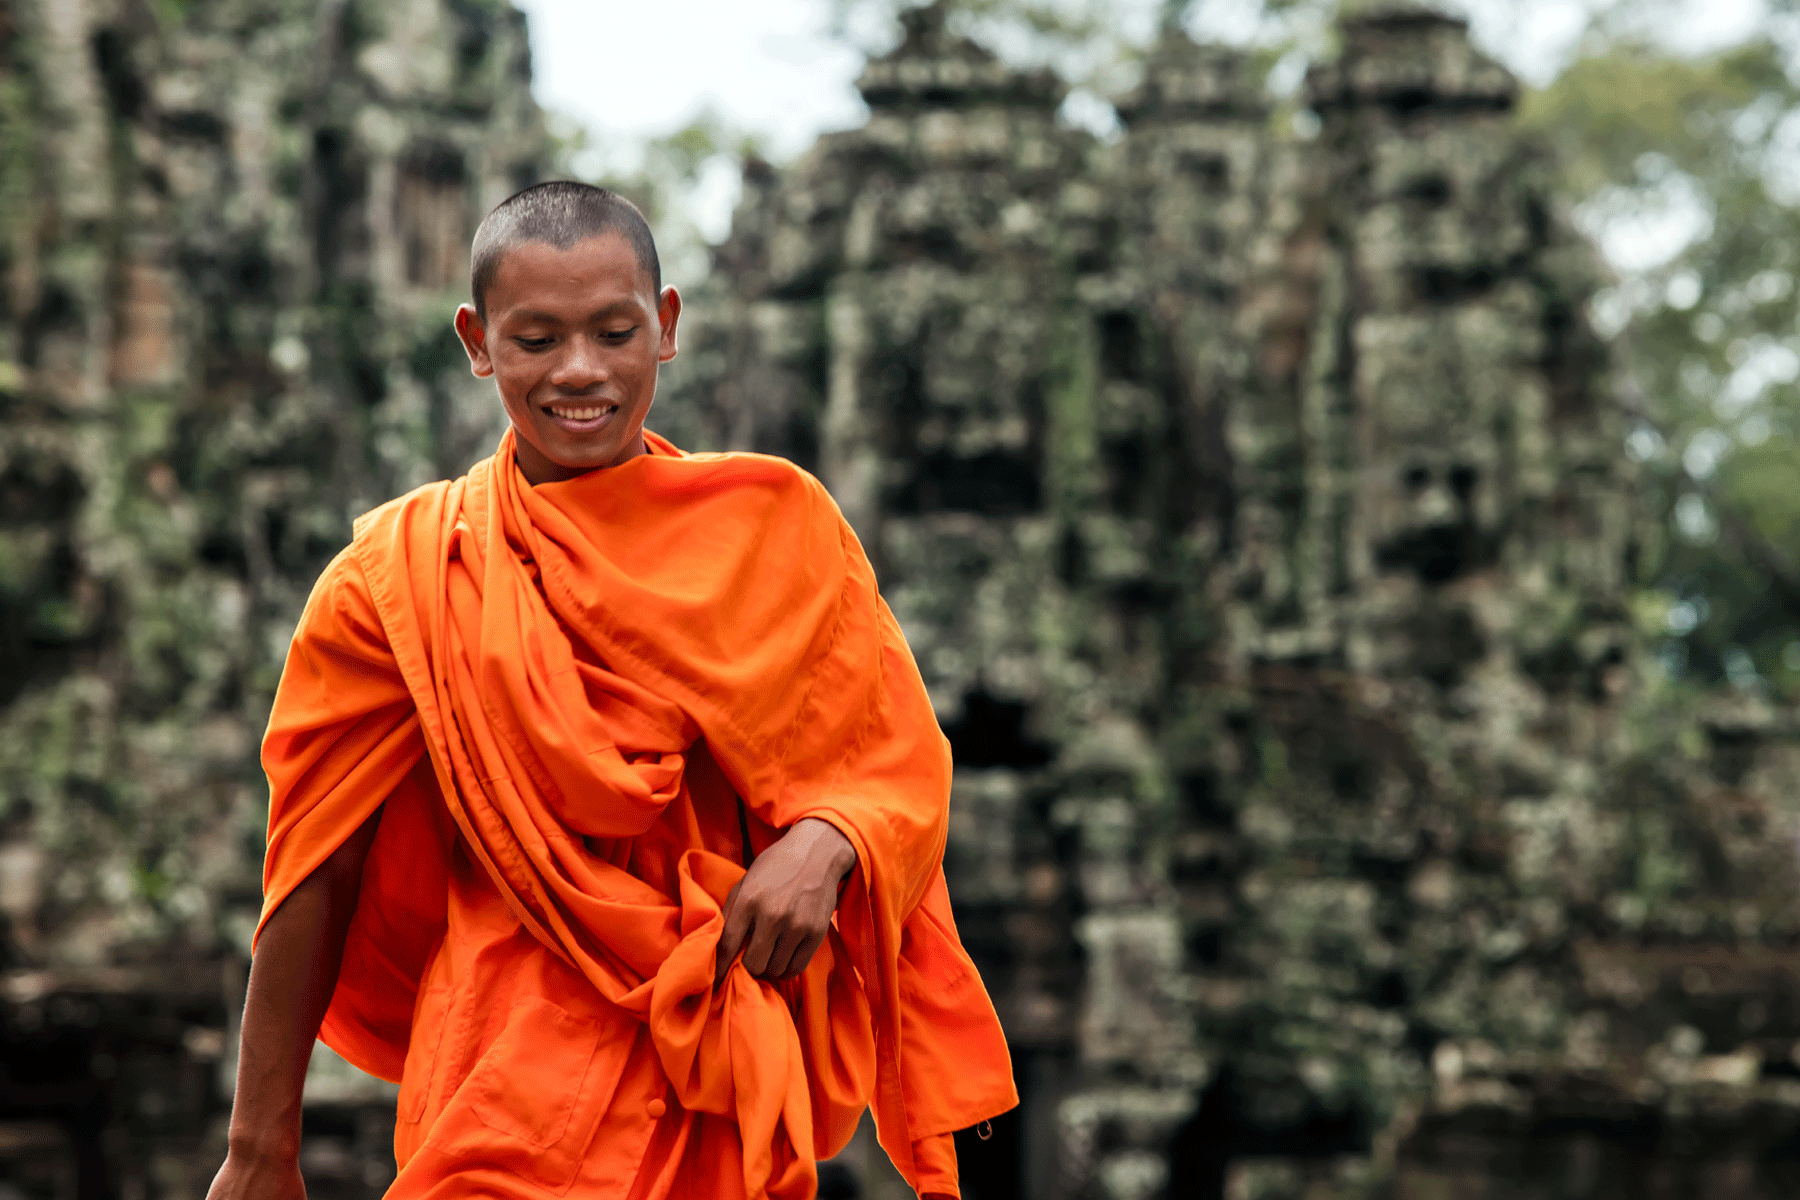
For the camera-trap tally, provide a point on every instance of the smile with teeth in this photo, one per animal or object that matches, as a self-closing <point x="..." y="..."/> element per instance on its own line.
<point x="580" y="412"/>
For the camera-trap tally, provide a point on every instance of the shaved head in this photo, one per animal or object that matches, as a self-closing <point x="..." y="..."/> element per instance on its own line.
<point x="561" y="213"/>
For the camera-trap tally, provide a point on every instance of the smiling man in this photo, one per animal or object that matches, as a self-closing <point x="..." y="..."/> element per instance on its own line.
<point x="607" y="803"/>
<point x="553" y="261"/>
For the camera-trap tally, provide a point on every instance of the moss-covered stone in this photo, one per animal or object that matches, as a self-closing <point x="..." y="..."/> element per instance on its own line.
<point x="1255" y="506"/>
<point x="224" y="228"/>
<point x="1258" y="512"/>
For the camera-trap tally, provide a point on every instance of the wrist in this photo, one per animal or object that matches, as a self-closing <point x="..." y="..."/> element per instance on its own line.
<point x="263" y="1146"/>
<point x="832" y="842"/>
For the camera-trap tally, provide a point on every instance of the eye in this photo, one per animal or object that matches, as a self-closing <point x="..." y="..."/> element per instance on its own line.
<point x="619" y="335"/>
<point x="534" y="343"/>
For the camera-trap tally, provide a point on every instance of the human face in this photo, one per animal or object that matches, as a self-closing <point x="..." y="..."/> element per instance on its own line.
<point x="573" y="339"/>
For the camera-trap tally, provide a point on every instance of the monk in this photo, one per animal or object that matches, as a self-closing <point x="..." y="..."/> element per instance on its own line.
<point x="607" y="805"/>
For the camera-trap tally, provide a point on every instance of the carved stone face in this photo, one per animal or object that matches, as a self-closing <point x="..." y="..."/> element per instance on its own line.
<point x="1425" y="515"/>
<point x="1441" y="402"/>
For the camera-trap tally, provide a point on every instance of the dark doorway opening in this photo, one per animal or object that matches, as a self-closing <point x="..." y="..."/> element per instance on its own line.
<point x="1235" y="1120"/>
<point x="994" y="733"/>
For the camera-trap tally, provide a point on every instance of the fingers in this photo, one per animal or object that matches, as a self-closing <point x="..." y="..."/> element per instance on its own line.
<point x="777" y="916"/>
<point x="800" y="958"/>
<point x="760" y="948"/>
<point x="779" y="950"/>
<point x="731" y="938"/>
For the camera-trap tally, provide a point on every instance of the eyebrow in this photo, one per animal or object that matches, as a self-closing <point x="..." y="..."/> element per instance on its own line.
<point x="616" y="308"/>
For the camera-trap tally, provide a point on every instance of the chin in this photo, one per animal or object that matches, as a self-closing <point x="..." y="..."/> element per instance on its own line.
<point x="564" y="455"/>
<point x="586" y="459"/>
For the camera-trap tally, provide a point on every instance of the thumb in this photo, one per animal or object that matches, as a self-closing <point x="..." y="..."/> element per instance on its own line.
<point x="731" y="938"/>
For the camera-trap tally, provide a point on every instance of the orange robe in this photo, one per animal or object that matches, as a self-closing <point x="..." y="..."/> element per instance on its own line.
<point x="556" y="696"/>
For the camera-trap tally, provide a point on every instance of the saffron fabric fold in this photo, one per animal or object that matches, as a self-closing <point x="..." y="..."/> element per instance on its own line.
<point x="557" y="697"/>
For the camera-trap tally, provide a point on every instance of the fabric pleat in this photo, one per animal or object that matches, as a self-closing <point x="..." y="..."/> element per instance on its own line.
<point x="564" y="649"/>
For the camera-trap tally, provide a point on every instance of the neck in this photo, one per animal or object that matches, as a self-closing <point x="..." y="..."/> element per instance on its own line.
<point x="537" y="468"/>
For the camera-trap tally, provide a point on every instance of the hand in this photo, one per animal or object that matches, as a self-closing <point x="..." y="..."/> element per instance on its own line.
<point x="251" y="1177"/>
<point x="780" y="910"/>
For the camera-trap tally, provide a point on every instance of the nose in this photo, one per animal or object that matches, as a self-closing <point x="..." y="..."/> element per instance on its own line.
<point x="1435" y="506"/>
<point x="579" y="367"/>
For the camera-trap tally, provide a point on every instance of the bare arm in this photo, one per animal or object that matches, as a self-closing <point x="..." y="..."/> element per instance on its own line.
<point x="292" y="977"/>
<point x="779" y="911"/>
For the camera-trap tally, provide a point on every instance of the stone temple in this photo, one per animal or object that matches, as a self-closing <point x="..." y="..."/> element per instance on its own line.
<point x="1254" y="503"/>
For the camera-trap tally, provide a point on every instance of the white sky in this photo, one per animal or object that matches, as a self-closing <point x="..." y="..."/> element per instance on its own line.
<point x="630" y="70"/>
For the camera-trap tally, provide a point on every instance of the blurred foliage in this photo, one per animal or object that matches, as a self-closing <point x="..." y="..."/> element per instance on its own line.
<point x="1686" y="169"/>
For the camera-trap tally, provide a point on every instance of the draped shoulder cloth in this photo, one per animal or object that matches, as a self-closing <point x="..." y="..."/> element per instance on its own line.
<point x="542" y="665"/>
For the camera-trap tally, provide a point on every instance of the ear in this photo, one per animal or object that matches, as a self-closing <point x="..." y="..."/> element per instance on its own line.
<point x="668" y="312"/>
<point x="474" y="339"/>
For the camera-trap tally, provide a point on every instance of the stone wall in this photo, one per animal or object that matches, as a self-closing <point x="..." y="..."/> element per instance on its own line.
<point x="1256" y="509"/>
<point x="1255" y="506"/>
<point x="231" y="237"/>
